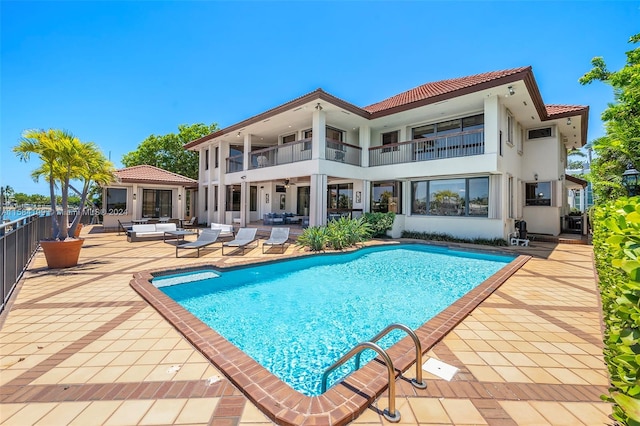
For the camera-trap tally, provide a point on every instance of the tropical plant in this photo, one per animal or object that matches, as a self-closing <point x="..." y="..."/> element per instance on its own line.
<point x="379" y="223"/>
<point x="64" y="159"/>
<point x="314" y="237"/>
<point x="616" y="241"/>
<point x="619" y="149"/>
<point x="434" y="236"/>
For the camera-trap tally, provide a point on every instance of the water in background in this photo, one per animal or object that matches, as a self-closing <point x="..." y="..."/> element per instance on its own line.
<point x="14" y="214"/>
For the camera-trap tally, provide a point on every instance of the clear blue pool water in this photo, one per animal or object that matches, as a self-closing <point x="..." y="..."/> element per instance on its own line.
<point x="298" y="317"/>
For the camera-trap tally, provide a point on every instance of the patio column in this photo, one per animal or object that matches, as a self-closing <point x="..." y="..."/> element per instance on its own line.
<point x="319" y="136"/>
<point x="222" y="189"/>
<point x="136" y="212"/>
<point x="318" y="200"/>
<point x="244" y="197"/>
<point x="366" y="193"/>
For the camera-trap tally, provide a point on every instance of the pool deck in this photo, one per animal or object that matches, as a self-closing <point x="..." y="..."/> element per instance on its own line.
<point x="80" y="346"/>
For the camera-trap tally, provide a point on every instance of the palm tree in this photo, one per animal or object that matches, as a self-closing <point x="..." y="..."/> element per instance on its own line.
<point x="64" y="158"/>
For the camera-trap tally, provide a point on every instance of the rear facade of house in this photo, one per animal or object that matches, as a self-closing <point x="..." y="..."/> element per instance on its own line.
<point x="467" y="157"/>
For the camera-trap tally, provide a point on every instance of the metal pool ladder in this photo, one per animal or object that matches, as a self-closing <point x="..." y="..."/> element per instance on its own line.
<point x="389" y="413"/>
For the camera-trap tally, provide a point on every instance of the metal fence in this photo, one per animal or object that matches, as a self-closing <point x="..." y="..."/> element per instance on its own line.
<point x="19" y="240"/>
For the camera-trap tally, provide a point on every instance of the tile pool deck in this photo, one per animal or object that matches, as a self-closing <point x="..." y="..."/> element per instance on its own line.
<point x="80" y="346"/>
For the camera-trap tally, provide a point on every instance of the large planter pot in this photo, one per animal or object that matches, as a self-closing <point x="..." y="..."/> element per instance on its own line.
<point x="62" y="254"/>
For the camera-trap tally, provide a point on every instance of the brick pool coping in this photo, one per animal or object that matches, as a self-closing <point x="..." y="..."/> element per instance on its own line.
<point x="343" y="402"/>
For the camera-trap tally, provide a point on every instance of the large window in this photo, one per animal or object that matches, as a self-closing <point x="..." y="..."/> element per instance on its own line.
<point x="157" y="203"/>
<point x="538" y="194"/>
<point x="340" y="196"/>
<point x="390" y="138"/>
<point x="289" y="138"/>
<point x="451" y="197"/>
<point x="116" y="200"/>
<point x="473" y="122"/>
<point x="253" y="198"/>
<point x="233" y="198"/>
<point x="510" y="127"/>
<point x="386" y="197"/>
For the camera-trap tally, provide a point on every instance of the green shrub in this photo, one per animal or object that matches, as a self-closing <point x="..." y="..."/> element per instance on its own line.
<point x="344" y="232"/>
<point x="379" y="223"/>
<point x="338" y="234"/>
<point x="616" y="244"/>
<point x="432" y="236"/>
<point x="315" y="238"/>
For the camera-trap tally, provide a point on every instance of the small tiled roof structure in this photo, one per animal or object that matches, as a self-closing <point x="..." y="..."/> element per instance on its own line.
<point x="152" y="174"/>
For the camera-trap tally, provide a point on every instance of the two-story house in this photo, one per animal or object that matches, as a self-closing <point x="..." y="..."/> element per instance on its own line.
<point x="466" y="157"/>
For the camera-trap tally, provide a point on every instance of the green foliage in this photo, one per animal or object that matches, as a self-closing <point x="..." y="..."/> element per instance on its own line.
<point x="620" y="148"/>
<point x="379" y="223"/>
<point x="167" y="151"/>
<point x="338" y="234"/>
<point x="314" y="237"/>
<point x="432" y="236"/>
<point x="616" y="241"/>
<point x="344" y="232"/>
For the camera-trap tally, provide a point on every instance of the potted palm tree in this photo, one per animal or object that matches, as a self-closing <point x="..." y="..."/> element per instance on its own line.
<point x="64" y="159"/>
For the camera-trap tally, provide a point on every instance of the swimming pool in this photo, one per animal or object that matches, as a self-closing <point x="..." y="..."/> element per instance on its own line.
<point x="297" y="317"/>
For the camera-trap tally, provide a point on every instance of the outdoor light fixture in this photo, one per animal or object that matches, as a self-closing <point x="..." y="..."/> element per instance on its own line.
<point x="318" y="106"/>
<point x="511" y="91"/>
<point x="535" y="176"/>
<point x="569" y="121"/>
<point x="134" y="196"/>
<point x="238" y="135"/>
<point x="179" y="197"/>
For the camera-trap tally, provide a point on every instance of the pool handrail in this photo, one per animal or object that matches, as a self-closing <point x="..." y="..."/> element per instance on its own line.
<point x="390" y="413"/>
<point x="417" y="382"/>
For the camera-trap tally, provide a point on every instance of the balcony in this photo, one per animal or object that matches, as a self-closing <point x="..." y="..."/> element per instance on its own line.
<point x="343" y="152"/>
<point x="453" y="145"/>
<point x="291" y="152"/>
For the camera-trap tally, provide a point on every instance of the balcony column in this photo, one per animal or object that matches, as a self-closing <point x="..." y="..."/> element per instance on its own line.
<point x="491" y="124"/>
<point x="247" y="149"/>
<point x="318" y="200"/>
<point x="319" y="136"/>
<point x="364" y="136"/>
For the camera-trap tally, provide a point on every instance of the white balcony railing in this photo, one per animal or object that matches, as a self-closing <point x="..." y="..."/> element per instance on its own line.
<point x="452" y="145"/>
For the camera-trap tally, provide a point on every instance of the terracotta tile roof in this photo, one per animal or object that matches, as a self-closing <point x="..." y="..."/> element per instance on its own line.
<point x="563" y="109"/>
<point x="576" y="180"/>
<point x="152" y="174"/>
<point x="430" y="90"/>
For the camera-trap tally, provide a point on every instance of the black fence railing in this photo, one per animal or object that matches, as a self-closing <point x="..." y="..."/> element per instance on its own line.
<point x="19" y="240"/>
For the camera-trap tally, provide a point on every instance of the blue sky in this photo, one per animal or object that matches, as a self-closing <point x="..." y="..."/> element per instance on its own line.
<point x="117" y="72"/>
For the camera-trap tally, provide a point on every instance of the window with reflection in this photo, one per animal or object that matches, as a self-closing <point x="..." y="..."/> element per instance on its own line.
<point x="538" y="194"/>
<point x="233" y="198"/>
<point x="157" y="203"/>
<point x="116" y="200"/>
<point x="386" y="197"/>
<point x="451" y="197"/>
<point x="340" y="196"/>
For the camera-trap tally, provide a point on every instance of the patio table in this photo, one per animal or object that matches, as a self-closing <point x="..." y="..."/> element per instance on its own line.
<point x="177" y="235"/>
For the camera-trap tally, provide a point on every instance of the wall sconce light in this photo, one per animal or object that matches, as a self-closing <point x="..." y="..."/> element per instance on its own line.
<point x="243" y="177"/>
<point x="569" y="121"/>
<point x="511" y="91"/>
<point x="238" y="135"/>
<point x="318" y="106"/>
<point x="535" y="176"/>
<point x="134" y="196"/>
<point x="179" y="197"/>
<point x="561" y="178"/>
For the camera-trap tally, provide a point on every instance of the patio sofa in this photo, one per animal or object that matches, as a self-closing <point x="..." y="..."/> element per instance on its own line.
<point x="149" y="231"/>
<point x="226" y="231"/>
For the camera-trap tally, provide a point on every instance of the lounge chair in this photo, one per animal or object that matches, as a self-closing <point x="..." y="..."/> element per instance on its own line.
<point x="278" y="237"/>
<point x="206" y="238"/>
<point x="191" y="223"/>
<point x="243" y="238"/>
<point x="124" y="227"/>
